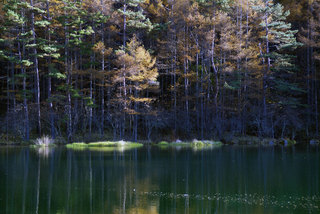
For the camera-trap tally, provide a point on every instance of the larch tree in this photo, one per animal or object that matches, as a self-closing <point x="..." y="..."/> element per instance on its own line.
<point x="140" y="73"/>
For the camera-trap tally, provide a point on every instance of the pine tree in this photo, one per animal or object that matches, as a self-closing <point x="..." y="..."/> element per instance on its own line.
<point x="29" y="48"/>
<point x="277" y="41"/>
<point x="133" y="17"/>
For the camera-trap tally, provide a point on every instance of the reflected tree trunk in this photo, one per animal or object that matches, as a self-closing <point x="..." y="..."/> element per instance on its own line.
<point x="36" y="68"/>
<point x="51" y="173"/>
<point x="90" y="184"/>
<point x="38" y="185"/>
<point x="25" y="180"/>
<point x="69" y="171"/>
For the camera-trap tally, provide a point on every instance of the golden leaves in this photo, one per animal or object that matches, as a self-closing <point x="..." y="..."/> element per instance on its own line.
<point x="137" y="63"/>
<point x="100" y="48"/>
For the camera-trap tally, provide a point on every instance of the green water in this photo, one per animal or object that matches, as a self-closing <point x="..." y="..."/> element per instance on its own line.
<point x="156" y="180"/>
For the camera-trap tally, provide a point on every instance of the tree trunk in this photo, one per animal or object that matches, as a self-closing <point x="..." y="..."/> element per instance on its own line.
<point x="50" y="81"/>
<point x="25" y="103"/>
<point x="69" y="84"/>
<point x="36" y="68"/>
<point x="13" y="96"/>
<point x="102" y="83"/>
<point x="8" y="101"/>
<point x="124" y="25"/>
<point x="265" y="76"/>
<point x="186" y="81"/>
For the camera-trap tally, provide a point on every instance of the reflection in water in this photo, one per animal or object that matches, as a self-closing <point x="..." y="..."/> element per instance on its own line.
<point x="153" y="180"/>
<point x="44" y="151"/>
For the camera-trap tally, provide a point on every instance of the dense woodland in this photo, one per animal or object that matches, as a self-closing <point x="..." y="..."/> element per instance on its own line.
<point x="154" y="69"/>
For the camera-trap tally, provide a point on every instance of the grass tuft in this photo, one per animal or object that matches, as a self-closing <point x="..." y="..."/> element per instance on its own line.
<point x="44" y="141"/>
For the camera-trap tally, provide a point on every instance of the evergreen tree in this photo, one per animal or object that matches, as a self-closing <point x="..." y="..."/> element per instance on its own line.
<point x="277" y="40"/>
<point x="133" y="16"/>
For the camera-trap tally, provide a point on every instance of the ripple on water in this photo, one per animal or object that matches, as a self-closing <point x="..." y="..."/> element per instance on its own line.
<point x="287" y="202"/>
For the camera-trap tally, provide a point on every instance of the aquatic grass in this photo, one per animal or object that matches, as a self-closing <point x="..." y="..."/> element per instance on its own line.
<point x="193" y="144"/>
<point x="180" y="144"/>
<point x="105" y="145"/>
<point x="197" y="143"/>
<point x="134" y="145"/>
<point x="205" y="143"/>
<point x="115" y="144"/>
<point x="254" y="140"/>
<point x="213" y="143"/>
<point x="163" y="143"/>
<point x="287" y="142"/>
<point x="113" y="148"/>
<point x="245" y="140"/>
<point x="77" y="146"/>
<point x="44" y="141"/>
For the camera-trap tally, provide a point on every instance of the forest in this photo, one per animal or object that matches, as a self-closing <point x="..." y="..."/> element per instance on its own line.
<point x="159" y="69"/>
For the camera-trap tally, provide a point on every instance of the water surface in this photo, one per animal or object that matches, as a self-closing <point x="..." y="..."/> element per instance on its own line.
<point x="154" y="180"/>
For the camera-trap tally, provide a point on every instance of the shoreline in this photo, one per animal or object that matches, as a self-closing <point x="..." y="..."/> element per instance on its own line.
<point x="238" y="141"/>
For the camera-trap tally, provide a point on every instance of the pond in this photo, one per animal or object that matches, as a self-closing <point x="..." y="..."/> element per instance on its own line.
<point x="150" y="180"/>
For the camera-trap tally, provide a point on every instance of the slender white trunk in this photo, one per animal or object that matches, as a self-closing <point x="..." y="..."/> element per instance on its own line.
<point x="49" y="79"/>
<point x="36" y="68"/>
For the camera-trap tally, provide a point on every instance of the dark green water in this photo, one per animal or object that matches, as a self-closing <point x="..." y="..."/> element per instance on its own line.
<point x="151" y="180"/>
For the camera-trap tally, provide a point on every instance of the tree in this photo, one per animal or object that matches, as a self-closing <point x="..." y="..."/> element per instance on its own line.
<point x="140" y="74"/>
<point x="278" y="39"/>
<point x="224" y="66"/>
<point x="310" y="37"/>
<point x="132" y="17"/>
